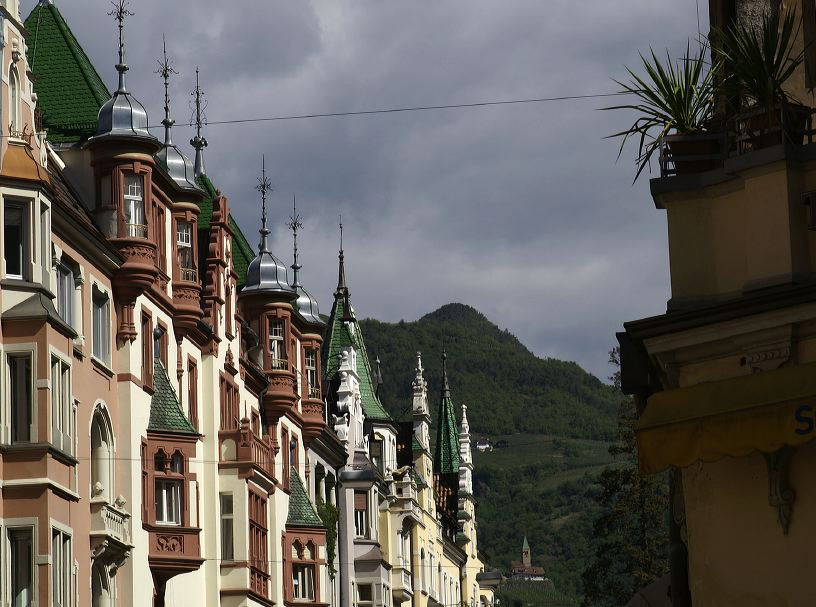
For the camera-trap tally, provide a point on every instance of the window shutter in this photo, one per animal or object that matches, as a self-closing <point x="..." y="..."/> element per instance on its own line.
<point x="360" y="500"/>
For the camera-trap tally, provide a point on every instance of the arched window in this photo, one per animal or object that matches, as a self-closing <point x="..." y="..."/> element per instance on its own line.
<point x="101" y="456"/>
<point x="15" y="125"/>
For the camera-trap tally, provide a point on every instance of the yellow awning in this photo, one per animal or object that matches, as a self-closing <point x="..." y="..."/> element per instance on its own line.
<point x="759" y="412"/>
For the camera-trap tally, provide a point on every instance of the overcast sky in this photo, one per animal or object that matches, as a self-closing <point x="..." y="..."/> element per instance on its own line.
<point x="519" y="211"/>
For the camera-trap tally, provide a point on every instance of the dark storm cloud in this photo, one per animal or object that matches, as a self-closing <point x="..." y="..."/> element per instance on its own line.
<point x="519" y="211"/>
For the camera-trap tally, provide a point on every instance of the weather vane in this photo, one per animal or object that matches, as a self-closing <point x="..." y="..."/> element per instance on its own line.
<point x="165" y="70"/>
<point x="120" y="12"/>
<point x="199" y="104"/>
<point x="294" y="219"/>
<point x="294" y="225"/>
<point x="264" y="187"/>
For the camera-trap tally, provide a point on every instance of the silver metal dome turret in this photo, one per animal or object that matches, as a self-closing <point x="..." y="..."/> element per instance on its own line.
<point x="170" y="159"/>
<point x="122" y="116"/>
<point x="306" y="305"/>
<point x="265" y="273"/>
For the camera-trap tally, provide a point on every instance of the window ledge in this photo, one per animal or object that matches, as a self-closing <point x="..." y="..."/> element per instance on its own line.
<point x="56" y="453"/>
<point x="102" y="366"/>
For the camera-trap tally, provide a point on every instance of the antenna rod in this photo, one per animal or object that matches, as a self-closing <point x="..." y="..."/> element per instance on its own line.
<point x="120" y="12"/>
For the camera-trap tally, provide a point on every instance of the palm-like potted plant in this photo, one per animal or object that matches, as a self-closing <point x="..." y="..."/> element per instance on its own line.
<point x="674" y="103"/>
<point x="757" y="61"/>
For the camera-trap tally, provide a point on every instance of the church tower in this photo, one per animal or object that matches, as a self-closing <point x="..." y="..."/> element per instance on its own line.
<point x="526" y="560"/>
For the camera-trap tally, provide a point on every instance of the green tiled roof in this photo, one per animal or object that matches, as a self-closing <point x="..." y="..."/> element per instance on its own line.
<point x="446" y="452"/>
<point x="301" y="511"/>
<point x="338" y="336"/>
<point x="242" y="252"/>
<point x="69" y="89"/>
<point x="165" y="411"/>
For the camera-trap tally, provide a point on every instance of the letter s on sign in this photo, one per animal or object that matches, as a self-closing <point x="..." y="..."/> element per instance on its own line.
<point x="804" y="416"/>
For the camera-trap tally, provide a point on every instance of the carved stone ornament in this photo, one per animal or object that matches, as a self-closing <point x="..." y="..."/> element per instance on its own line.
<point x="780" y="494"/>
<point x="170" y="543"/>
<point x="768" y="359"/>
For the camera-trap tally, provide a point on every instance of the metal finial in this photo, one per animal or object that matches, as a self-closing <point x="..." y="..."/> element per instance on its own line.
<point x="198" y="117"/>
<point x="264" y="186"/>
<point x="120" y="12"/>
<point x="164" y="70"/>
<point x="342" y="289"/>
<point x="294" y="225"/>
<point x="445" y="385"/>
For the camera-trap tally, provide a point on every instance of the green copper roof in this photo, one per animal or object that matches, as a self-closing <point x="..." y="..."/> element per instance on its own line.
<point x="242" y="252"/>
<point x="301" y="510"/>
<point x="446" y="451"/>
<point x="339" y="336"/>
<point x="165" y="411"/>
<point x="525" y="545"/>
<point x="69" y="89"/>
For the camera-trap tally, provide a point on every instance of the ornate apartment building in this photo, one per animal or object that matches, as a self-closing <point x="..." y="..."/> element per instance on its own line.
<point x="178" y="423"/>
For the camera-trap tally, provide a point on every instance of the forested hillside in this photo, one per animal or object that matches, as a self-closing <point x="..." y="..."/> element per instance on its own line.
<point x="506" y="387"/>
<point x="555" y="419"/>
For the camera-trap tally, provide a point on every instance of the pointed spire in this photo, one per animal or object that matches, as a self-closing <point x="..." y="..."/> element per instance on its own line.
<point x="341" y="274"/>
<point x="445" y="386"/>
<point x="378" y="381"/>
<point x="120" y="12"/>
<point x="264" y="186"/>
<point x="294" y="225"/>
<point x="165" y="70"/>
<point x="446" y="453"/>
<point x="199" y="142"/>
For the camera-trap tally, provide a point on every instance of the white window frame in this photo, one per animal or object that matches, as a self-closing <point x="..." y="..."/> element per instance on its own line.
<point x="310" y="363"/>
<point x="9" y="528"/>
<point x="101" y="329"/>
<point x="184" y="240"/>
<point x="66" y="285"/>
<point x="135" y="207"/>
<point x="367" y="602"/>
<point x="303" y="582"/>
<point x="62" y="582"/>
<point x="26" y="249"/>
<point x="277" y="336"/>
<point x="361" y="519"/>
<point x="168" y="501"/>
<point x="62" y="401"/>
<point x="7" y="414"/>
<point x="227" y="526"/>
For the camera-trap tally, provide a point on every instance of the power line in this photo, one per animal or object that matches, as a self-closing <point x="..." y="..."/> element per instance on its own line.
<point x="417" y="108"/>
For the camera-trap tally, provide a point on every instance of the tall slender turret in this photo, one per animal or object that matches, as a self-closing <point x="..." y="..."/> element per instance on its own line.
<point x="446" y="454"/>
<point x="421" y="414"/>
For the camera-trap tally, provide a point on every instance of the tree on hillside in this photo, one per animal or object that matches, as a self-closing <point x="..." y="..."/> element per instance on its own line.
<point x="631" y="535"/>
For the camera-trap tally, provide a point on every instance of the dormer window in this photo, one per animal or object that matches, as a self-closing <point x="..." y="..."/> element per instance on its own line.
<point x="277" y="347"/>
<point x="135" y="220"/>
<point x="184" y="246"/>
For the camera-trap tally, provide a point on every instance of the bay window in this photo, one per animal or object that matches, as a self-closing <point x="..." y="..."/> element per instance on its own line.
<point x="16" y="245"/>
<point x="277" y="347"/>
<point x="184" y="247"/>
<point x="169" y="485"/>
<point x="135" y="219"/>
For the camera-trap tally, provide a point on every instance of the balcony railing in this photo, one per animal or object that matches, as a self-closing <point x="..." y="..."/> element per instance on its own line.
<point x="110" y="521"/>
<point x="261" y="453"/>
<point x="314" y="392"/>
<point x="402" y="582"/>
<point x="250" y="449"/>
<point x="258" y="578"/>
<point x="188" y="274"/>
<point x="746" y="132"/>
<point x="136" y="230"/>
<point x="279" y="364"/>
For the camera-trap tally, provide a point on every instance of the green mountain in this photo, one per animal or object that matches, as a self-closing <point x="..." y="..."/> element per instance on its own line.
<point x="555" y="418"/>
<point x="507" y="388"/>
